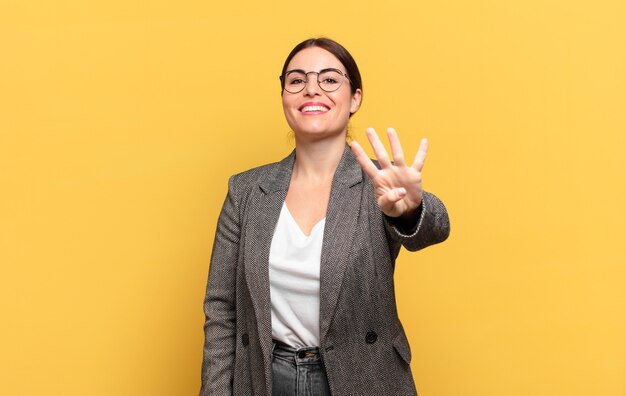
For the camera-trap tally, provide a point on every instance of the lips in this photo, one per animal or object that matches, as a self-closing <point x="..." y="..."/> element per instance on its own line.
<point x="313" y="108"/>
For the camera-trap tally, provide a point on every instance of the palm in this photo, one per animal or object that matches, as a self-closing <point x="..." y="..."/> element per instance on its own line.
<point x="397" y="186"/>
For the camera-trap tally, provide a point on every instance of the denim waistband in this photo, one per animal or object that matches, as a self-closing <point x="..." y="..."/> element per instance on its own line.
<point x="306" y="355"/>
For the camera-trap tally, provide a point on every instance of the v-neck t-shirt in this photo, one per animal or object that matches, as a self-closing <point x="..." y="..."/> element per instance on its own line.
<point x="294" y="274"/>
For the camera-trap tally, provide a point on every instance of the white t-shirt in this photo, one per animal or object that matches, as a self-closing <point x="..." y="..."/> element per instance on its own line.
<point x="294" y="273"/>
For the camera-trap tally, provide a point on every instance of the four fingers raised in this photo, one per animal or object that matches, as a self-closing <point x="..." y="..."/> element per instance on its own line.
<point x="392" y="188"/>
<point x="396" y="151"/>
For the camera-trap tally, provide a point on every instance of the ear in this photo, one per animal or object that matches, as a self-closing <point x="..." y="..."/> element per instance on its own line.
<point x="355" y="101"/>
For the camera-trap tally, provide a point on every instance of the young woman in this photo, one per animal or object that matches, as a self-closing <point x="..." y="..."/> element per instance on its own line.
<point x="300" y="297"/>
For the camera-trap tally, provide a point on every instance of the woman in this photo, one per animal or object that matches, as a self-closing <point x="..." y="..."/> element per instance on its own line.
<point x="300" y="296"/>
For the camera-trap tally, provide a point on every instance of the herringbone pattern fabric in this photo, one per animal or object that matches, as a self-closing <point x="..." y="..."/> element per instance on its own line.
<point x="363" y="345"/>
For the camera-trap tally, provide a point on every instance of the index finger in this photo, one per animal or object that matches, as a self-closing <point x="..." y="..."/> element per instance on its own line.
<point x="379" y="149"/>
<point x="366" y="163"/>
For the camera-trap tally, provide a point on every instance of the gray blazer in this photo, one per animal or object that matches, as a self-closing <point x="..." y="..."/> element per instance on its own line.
<point x="363" y="346"/>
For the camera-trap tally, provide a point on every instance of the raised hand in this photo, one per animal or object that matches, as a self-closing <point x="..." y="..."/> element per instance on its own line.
<point x="398" y="187"/>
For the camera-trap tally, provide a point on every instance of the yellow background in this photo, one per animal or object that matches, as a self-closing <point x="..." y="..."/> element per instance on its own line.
<point x="121" y="120"/>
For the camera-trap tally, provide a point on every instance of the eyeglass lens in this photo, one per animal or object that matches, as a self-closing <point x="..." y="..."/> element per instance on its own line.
<point x="328" y="80"/>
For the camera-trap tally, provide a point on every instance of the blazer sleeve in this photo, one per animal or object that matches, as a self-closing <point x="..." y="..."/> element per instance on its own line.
<point x="219" y="302"/>
<point x="433" y="226"/>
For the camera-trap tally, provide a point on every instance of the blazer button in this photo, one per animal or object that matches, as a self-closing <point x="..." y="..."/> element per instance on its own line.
<point x="245" y="340"/>
<point x="371" y="337"/>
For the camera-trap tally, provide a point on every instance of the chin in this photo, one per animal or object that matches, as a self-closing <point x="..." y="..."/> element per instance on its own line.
<point x="317" y="134"/>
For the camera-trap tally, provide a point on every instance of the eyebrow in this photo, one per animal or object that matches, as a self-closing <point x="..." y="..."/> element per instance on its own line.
<point x="321" y="71"/>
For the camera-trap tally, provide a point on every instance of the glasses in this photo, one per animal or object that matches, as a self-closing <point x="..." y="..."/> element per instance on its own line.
<point x="329" y="80"/>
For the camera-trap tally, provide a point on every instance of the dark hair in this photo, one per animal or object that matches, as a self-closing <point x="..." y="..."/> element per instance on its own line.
<point x="334" y="48"/>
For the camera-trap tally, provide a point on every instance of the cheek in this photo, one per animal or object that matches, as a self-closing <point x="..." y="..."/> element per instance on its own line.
<point x="288" y="103"/>
<point x="286" y="109"/>
<point x="343" y="100"/>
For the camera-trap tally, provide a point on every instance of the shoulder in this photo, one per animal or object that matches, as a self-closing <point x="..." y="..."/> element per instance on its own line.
<point x="270" y="177"/>
<point x="252" y="179"/>
<point x="254" y="175"/>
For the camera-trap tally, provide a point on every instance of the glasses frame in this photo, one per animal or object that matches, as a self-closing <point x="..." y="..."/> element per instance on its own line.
<point x="319" y="84"/>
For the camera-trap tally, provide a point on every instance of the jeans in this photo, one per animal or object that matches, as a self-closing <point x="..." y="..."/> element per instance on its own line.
<point x="298" y="372"/>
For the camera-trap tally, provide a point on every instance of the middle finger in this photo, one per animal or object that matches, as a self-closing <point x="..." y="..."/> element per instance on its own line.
<point x="396" y="147"/>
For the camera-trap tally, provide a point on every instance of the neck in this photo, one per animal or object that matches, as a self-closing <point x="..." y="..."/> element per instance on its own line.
<point x="318" y="160"/>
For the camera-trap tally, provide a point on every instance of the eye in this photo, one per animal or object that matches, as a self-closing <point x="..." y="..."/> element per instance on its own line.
<point x="295" y="78"/>
<point x="330" y="79"/>
<point x="296" y="81"/>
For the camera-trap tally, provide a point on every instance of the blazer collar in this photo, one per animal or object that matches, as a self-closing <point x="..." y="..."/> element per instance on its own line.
<point x="348" y="173"/>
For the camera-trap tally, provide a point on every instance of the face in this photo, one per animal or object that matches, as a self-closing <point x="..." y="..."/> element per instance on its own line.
<point x="314" y="113"/>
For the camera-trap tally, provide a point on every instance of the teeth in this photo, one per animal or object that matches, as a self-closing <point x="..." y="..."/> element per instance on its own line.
<point x="313" y="108"/>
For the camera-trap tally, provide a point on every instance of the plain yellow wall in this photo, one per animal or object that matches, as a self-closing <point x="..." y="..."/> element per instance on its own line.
<point x="121" y="120"/>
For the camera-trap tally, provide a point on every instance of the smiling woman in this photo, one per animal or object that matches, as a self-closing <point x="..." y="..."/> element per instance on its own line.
<point x="316" y="101"/>
<point x="300" y="294"/>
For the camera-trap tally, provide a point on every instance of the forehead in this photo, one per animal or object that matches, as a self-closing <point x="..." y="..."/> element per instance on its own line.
<point x="314" y="59"/>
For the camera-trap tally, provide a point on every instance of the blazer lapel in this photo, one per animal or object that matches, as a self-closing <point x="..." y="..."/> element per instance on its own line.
<point x="341" y="222"/>
<point x="263" y="212"/>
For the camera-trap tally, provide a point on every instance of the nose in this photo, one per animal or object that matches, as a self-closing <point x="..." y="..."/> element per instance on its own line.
<point x="312" y="88"/>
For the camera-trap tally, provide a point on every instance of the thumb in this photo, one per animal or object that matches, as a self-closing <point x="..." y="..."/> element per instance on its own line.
<point x="388" y="200"/>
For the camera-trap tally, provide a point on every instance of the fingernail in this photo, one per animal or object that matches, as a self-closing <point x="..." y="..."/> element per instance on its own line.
<point x="402" y="191"/>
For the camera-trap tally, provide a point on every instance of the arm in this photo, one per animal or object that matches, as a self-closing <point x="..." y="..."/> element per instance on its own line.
<point x="219" y="302"/>
<point x="429" y="225"/>
<point x="413" y="218"/>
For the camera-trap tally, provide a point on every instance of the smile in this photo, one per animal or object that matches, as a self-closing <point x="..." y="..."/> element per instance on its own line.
<point x="314" y="108"/>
